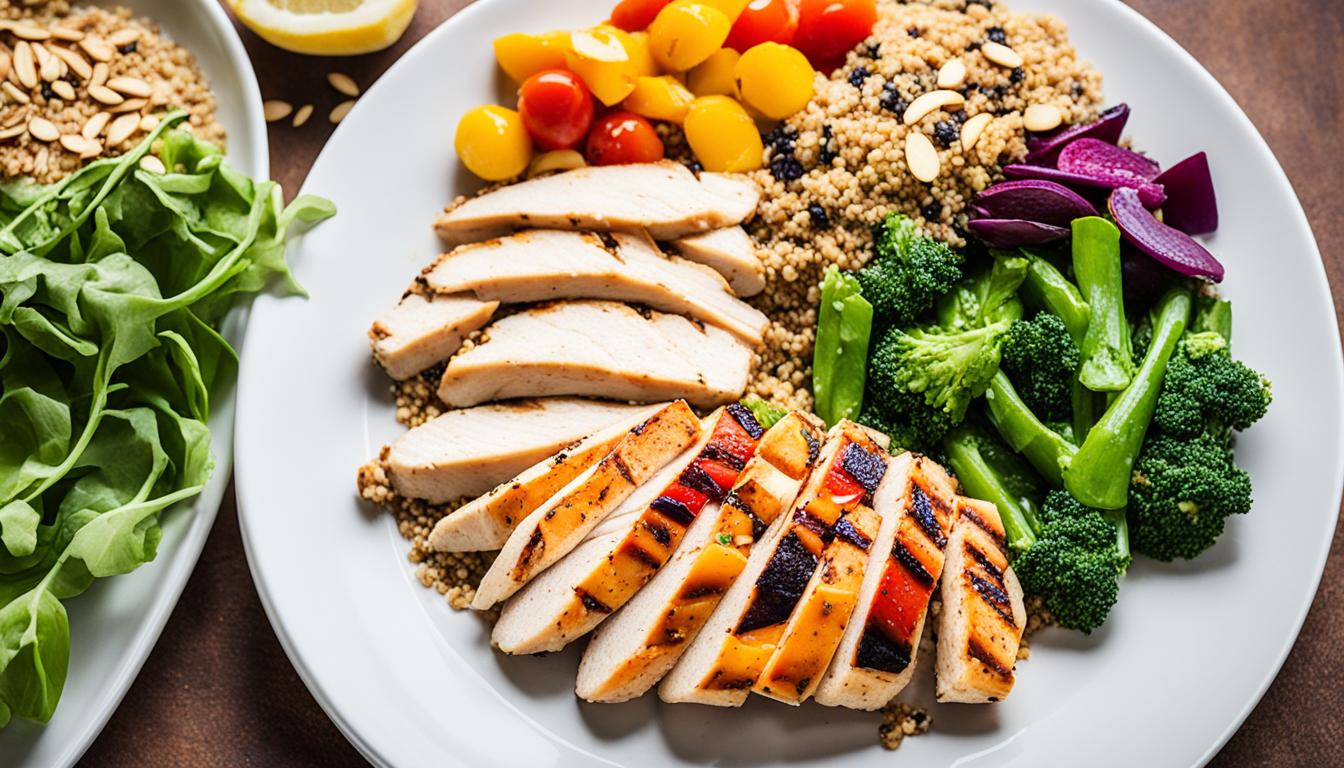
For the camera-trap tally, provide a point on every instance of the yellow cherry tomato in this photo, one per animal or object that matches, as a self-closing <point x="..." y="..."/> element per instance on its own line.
<point x="722" y="135"/>
<point x="600" y="58"/>
<point x="685" y="33"/>
<point x="731" y="8"/>
<point x="521" y="55"/>
<point x="492" y="143"/>
<point x="659" y="98"/>
<point x="774" y="79"/>
<point x="715" y="75"/>
<point x="637" y="45"/>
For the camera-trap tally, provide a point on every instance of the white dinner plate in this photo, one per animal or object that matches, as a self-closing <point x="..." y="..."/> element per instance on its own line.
<point x="114" y="625"/>
<point x="1184" y="657"/>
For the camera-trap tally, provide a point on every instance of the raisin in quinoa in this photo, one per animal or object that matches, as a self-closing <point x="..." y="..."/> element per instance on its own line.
<point x="838" y="167"/>
<point x="169" y="69"/>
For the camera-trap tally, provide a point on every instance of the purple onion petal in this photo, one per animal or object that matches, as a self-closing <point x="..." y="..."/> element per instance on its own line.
<point x="1151" y="193"/>
<point x="1108" y="127"/>
<point x="1191" y="204"/>
<point x="1169" y="246"/>
<point x="1011" y="233"/>
<point x="1093" y="156"/>
<point x="1045" y="202"/>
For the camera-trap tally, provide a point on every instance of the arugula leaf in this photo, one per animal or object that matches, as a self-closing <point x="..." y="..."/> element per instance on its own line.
<point x="111" y="284"/>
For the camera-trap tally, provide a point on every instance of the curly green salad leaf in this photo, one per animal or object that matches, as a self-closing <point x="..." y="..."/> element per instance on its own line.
<point x="112" y="285"/>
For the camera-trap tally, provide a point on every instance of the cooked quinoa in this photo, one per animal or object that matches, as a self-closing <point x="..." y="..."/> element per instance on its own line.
<point x="838" y="167"/>
<point x="169" y="69"/>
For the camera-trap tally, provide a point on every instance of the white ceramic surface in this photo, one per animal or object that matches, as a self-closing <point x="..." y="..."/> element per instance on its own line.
<point x="1185" y="656"/>
<point x="115" y="624"/>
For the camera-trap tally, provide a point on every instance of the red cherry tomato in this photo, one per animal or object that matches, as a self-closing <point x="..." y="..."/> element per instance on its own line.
<point x="634" y="15"/>
<point x="623" y="137"/>
<point x="827" y="29"/>
<point x="763" y="21"/>
<point x="556" y="108"/>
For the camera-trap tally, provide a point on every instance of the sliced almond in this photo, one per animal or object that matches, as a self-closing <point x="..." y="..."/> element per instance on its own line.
<point x="67" y="34"/>
<point x="275" y="109"/>
<point x="30" y="32"/>
<point x="25" y="64"/>
<point x="5" y="63"/>
<point x="63" y="89"/>
<point x="952" y="74"/>
<point x="51" y="69"/>
<point x="77" y="64"/>
<point x="149" y="123"/>
<point x="129" y="105"/>
<point x="12" y="91"/>
<point x="1042" y="117"/>
<point x="555" y="160"/>
<point x="99" y="76"/>
<point x="131" y="86"/>
<point x="80" y="145"/>
<point x="105" y="95"/>
<point x="343" y="83"/>
<point x="95" y="125"/>
<point x="122" y="129"/>
<point x="921" y="156"/>
<point x="931" y="101"/>
<point x="339" y="112"/>
<point x="97" y="49"/>
<point x="12" y="131"/>
<point x="1001" y="54"/>
<point x="43" y="129"/>
<point x="41" y="53"/>
<point x="301" y="117"/>
<point x="123" y="37"/>
<point x="972" y="128"/>
<point x="152" y="164"/>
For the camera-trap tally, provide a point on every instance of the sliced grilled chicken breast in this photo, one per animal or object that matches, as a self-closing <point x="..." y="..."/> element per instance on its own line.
<point x="723" y="662"/>
<point x="626" y="549"/>
<point x="485" y="524"/>
<point x="730" y="252"/>
<point x="876" y="656"/>
<point x="557" y="526"/>
<point x="548" y="264"/>
<point x="467" y="452"/>
<point x="634" y="648"/>
<point x="665" y="199"/>
<point x="603" y="349"/>
<point x="982" y="620"/>
<point x="423" y="330"/>
<point x="837" y="529"/>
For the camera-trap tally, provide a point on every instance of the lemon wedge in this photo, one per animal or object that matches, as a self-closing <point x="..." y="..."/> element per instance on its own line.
<point x="326" y="27"/>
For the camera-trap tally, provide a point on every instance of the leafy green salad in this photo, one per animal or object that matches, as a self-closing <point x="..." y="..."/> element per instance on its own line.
<point x="1095" y="405"/>
<point x="113" y="285"/>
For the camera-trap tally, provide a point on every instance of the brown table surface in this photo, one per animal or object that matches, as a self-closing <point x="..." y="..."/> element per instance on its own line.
<point x="218" y="690"/>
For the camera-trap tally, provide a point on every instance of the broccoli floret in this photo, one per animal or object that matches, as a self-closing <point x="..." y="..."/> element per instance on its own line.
<point x="1205" y="390"/>
<point x="909" y="271"/>
<point x="1041" y="359"/>
<point x="985" y="295"/>
<point x="948" y="369"/>
<point x="1182" y="493"/>
<point x="1075" y="563"/>
<point x="903" y="416"/>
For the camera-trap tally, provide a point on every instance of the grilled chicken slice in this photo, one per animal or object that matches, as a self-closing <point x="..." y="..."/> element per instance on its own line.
<point x="485" y="524"/>
<point x="730" y="252"/>
<point x="423" y="330"/>
<point x="723" y="662"/>
<point x="982" y="620"/>
<point x="837" y="529"/>
<point x="548" y="264"/>
<point x="633" y="649"/>
<point x="557" y="526"/>
<point x="599" y="348"/>
<point x="876" y="657"/>
<point x="664" y="199"/>
<point x="467" y="452"/>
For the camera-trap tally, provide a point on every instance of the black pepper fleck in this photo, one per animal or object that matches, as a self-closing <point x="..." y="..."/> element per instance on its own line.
<point x="818" y="215"/>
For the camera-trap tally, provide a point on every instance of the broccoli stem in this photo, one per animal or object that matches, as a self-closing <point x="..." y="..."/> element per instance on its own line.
<point x="1108" y="361"/>
<point x="980" y="480"/>
<point x="1046" y="287"/>
<point x="1119" y="519"/>
<point x="1043" y="447"/>
<point x="1213" y="314"/>
<point x="1100" y="472"/>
